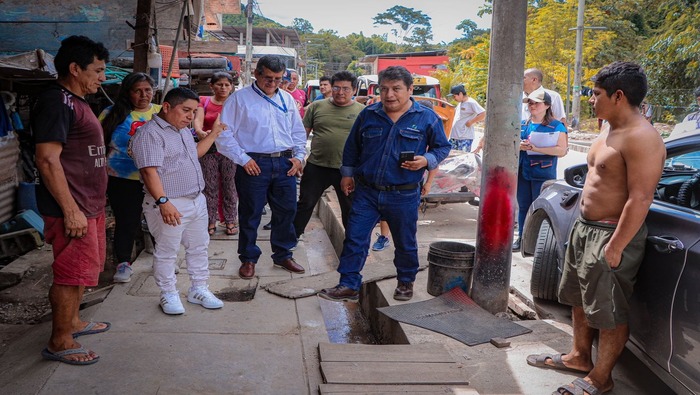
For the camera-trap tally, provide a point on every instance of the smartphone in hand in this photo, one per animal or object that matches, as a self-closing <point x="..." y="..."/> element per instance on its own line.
<point x="406" y="156"/>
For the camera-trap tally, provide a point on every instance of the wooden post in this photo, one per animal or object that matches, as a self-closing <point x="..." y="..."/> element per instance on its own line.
<point x="491" y="275"/>
<point x="144" y="10"/>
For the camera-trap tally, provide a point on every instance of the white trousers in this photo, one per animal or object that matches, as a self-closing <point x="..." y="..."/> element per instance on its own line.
<point x="191" y="233"/>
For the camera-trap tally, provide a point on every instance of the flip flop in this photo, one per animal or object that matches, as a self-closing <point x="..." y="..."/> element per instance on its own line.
<point x="540" y="361"/>
<point x="577" y="387"/>
<point x="60" y="356"/>
<point x="88" y="330"/>
<point x="231" y="229"/>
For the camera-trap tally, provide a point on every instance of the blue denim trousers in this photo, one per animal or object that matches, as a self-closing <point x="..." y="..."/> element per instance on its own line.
<point x="527" y="192"/>
<point x="275" y="187"/>
<point x="400" y="210"/>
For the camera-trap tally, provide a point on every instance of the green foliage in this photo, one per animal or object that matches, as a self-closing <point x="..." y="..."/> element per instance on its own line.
<point x="662" y="35"/>
<point x="671" y="57"/>
<point x="469" y="67"/>
<point x="240" y="20"/>
<point x="329" y="52"/>
<point x="372" y="45"/>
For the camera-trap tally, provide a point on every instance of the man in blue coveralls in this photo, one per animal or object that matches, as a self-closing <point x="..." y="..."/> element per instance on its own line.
<point x="389" y="148"/>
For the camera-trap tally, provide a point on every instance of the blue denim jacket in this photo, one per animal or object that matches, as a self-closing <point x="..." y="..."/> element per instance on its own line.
<point x="375" y="142"/>
<point x="539" y="167"/>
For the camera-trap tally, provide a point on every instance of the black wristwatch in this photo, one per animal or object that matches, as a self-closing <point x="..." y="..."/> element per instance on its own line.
<point x="161" y="200"/>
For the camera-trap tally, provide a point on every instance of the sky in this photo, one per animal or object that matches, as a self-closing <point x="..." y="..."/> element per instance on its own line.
<point x="355" y="16"/>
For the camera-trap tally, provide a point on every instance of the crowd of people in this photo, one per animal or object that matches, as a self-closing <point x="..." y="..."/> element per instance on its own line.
<point x="197" y="160"/>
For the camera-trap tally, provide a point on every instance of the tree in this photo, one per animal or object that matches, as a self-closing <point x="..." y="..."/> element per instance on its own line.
<point x="302" y="26"/>
<point x="372" y="45"/>
<point x="671" y="62"/>
<point x="412" y="26"/>
<point x="240" y="20"/>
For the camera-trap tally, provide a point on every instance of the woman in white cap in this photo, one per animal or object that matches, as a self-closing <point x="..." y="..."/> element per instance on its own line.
<point x="543" y="139"/>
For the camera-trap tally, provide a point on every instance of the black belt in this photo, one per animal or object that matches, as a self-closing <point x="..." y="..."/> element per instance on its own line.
<point x="387" y="188"/>
<point x="281" y="154"/>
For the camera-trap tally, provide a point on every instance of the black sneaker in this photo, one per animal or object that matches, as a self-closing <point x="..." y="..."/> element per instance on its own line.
<point x="403" y="291"/>
<point x="516" y="245"/>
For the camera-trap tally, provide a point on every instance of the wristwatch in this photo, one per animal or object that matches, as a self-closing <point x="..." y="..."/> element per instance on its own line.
<point x="161" y="200"/>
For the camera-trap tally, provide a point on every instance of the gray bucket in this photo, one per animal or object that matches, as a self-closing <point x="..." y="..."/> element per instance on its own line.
<point x="450" y="265"/>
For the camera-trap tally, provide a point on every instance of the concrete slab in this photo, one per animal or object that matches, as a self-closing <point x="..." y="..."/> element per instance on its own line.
<point x="176" y="361"/>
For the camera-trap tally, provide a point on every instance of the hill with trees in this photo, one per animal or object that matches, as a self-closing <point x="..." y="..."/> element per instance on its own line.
<point x="662" y="35"/>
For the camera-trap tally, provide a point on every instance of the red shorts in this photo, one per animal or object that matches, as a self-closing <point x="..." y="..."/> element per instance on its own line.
<point x="77" y="261"/>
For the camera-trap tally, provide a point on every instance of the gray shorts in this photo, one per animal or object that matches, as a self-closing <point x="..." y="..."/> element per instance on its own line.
<point x="587" y="279"/>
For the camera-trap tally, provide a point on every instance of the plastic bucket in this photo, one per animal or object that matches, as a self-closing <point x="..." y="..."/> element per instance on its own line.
<point x="450" y="265"/>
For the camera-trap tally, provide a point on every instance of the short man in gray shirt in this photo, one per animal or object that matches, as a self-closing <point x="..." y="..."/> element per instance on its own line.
<point x="166" y="154"/>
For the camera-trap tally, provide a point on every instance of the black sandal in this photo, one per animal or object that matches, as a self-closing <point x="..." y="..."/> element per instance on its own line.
<point x="211" y="230"/>
<point x="231" y="229"/>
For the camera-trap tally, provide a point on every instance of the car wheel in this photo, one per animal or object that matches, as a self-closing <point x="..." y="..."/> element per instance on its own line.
<point x="545" y="268"/>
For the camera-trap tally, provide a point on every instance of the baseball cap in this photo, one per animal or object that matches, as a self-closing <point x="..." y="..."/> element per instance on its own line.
<point x="457" y="89"/>
<point x="539" y="96"/>
<point x="287" y="76"/>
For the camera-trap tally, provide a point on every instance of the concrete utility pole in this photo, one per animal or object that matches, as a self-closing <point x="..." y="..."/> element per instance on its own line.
<point x="491" y="275"/>
<point x="247" y="78"/>
<point x="576" y="105"/>
<point x="142" y="32"/>
<point x="578" y="62"/>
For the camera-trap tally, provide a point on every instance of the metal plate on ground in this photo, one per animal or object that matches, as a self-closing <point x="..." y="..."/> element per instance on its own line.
<point x="214" y="264"/>
<point x="456" y="315"/>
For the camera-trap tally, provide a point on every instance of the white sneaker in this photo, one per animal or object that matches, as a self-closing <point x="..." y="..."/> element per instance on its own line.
<point x="170" y="303"/>
<point x="123" y="273"/>
<point x="202" y="295"/>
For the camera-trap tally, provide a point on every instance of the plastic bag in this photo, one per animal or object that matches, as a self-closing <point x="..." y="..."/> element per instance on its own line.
<point x="459" y="172"/>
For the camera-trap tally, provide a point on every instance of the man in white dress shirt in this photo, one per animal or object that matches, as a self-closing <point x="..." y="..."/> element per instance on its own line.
<point x="532" y="80"/>
<point x="267" y="140"/>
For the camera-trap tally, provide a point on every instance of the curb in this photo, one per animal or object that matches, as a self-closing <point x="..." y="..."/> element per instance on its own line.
<point x="579" y="147"/>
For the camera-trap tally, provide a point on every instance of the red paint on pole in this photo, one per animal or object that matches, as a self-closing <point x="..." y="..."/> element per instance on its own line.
<point x="497" y="211"/>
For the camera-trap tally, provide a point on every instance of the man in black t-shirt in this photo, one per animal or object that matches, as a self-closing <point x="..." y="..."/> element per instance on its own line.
<point x="70" y="157"/>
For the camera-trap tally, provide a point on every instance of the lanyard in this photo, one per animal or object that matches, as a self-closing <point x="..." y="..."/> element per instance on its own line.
<point x="282" y="108"/>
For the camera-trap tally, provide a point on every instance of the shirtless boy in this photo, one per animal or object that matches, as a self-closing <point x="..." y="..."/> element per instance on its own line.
<point x="606" y="245"/>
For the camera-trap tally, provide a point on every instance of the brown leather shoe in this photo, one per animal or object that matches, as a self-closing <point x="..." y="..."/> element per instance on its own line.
<point x="290" y="265"/>
<point x="404" y="291"/>
<point x="340" y="293"/>
<point x="247" y="270"/>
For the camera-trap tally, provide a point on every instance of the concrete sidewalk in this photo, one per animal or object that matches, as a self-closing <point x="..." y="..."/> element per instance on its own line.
<point x="269" y="345"/>
<point x="264" y="346"/>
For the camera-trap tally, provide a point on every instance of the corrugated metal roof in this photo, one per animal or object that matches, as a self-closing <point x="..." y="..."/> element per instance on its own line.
<point x="9" y="154"/>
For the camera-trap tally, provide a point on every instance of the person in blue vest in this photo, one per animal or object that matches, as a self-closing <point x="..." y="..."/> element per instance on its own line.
<point x="543" y="139"/>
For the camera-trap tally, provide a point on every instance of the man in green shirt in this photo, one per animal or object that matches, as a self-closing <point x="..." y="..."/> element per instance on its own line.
<point x="330" y="121"/>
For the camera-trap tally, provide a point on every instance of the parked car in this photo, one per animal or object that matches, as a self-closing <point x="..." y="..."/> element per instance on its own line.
<point x="312" y="89"/>
<point x="665" y="318"/>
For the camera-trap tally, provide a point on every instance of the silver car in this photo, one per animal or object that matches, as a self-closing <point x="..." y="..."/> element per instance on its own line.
<point x="665" y="317"/>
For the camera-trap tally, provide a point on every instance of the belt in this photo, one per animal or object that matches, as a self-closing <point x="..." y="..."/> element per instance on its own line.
<point x="387" y="188"/>
<point x="281" y="154"/>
